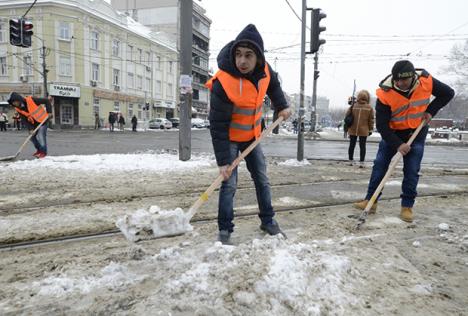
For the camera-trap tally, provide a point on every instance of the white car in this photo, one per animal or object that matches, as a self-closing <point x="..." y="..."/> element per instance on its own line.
<point x="160" y="123"/>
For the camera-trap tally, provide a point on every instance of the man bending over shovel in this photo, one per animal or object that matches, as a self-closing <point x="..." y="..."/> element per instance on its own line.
<point x="237" y="93"/>
<point x="403" y="102"/>
<point x="33" y="113"/>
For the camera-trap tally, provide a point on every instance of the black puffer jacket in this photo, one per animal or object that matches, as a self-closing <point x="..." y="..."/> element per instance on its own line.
<point x="220" y="105"/>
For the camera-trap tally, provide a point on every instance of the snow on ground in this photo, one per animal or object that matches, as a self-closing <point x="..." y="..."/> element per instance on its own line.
<point x="269" y="276"/>
<point x="161" y="162"/>
<point x="294" y="163"/>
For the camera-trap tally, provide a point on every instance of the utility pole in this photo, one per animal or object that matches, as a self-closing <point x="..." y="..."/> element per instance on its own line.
<point x="185" y="127"/>
<point x="300" y="133"/>
<point x="44" y="70"/>
<point x="313" y="113"/>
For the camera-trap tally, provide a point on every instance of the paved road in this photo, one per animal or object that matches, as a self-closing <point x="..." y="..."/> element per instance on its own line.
<point x="91" y="142"/>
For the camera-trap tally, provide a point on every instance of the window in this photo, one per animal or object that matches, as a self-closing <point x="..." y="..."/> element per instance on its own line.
<point x="130" y="110"/>
<point x="130" y="80"/>
<point x="170" y="67"/>
<point x="64" y="31"/>
<point x="158" y="87"/>
<point x="139" y="82"/>
<point x="94" y="40"/>
<point x="27" y="59"/>
<point x="95" y="73"/>
<point x="169" y="90"/>
<point x="140" y="55"/>
<point x="116" y="48"/>
<point x="140" y="107"/>
<point x="147" y="84"/>
<point x="148" y="58"/>
<point x="117" y="106"/>
<point x="115" y="77"/>
<point x="130" y="53"/>
<point x="3" y="66"/>
<point x="65" y="66"/>
<point x="3" y="33"/>
<point x="96" y="105"/>
<point x="158" y="62"/>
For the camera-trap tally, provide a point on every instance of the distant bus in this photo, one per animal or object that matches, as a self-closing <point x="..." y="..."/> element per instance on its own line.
<point x="438" y="123"/>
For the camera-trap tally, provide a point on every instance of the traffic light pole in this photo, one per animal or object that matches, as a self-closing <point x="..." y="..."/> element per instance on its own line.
<point x="313" y="113"/>
<point x="185" y="126"/>
<point x="300" y="133"/>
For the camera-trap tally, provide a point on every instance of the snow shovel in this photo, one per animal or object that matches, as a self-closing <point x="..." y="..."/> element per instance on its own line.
<point x="396" y="158"/>
<point x="11" y="158"/>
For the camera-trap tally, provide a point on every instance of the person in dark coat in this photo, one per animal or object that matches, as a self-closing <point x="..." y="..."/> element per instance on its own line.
<point x="134" y="123"/>
<point x="121" y="122"/>
<point x="111" y="121"/>
<point x="243" y="78"/>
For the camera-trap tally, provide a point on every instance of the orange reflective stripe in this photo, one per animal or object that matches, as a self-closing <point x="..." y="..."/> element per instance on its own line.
<point x="37" y="112"/>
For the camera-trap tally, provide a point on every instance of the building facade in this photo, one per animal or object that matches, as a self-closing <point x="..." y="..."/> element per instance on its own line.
<point x="98" y="61"/>
<point x="162" y="17"/>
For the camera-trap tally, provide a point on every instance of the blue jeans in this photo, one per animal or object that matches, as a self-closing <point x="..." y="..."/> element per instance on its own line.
<point x="257" y="167"/>
<point x="40" y="139"/>
<point x="411" y="167"/>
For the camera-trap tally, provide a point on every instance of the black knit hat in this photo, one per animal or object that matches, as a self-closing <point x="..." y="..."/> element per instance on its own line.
<point x="251" y="38"/>
<point x="403" y="69"/>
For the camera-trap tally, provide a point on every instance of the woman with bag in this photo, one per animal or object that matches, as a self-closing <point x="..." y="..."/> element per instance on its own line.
<point x="362" y="125"/>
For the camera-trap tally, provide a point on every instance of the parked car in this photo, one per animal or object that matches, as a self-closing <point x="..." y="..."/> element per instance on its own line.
<point x="175" y="122"/>
<point x="160" y="123"/>
<point x="198" y="123"/>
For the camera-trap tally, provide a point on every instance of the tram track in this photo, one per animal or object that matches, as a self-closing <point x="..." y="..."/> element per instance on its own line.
<point x="206" y="219"/>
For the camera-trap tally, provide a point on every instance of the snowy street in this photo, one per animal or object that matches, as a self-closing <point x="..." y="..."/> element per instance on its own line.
<point x="324" y="267"/>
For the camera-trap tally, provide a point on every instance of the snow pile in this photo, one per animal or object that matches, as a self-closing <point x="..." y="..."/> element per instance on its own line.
<point x="294" y="163"/>
<point x="163" y="162"/>
<point x="112" y="276"/>
<point x="444" y="226"/>
<point x="154" y="223"/>
<point x="270" y="275"/>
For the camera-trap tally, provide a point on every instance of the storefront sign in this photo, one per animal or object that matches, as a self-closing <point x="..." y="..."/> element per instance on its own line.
<point x="64" y="91"/>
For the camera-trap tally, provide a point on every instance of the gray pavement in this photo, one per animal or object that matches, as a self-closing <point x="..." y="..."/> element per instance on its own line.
<point x="87" y="142"/>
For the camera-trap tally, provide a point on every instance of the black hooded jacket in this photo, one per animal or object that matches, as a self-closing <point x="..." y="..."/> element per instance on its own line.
<point x="17" y="97"/>
<point x="220" y="105"/>
<point x="442" y="93"/>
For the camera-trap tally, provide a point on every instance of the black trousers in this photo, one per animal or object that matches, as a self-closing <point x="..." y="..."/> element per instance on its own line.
<point x="3" y="126"/>
<point x="362" y="147"/>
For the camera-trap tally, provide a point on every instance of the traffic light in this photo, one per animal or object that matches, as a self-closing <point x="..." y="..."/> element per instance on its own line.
<point x="21" y="32"/>
<point x="27" y="33"/>
<point x="15" y="32"/>
<point x="315" y="41"/>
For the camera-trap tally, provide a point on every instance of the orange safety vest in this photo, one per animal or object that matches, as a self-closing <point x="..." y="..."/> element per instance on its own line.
<point x="247" y="100"/>
<point x="407" y="113"/>
<point x="36" y="113"/>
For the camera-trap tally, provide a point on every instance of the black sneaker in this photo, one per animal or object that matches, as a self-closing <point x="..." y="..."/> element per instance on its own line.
<point x="224" y="237"/>
<point x="272" y="228"/>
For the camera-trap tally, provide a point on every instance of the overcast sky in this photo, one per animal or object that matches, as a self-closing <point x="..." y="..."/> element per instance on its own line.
<point x="425" y="29"/>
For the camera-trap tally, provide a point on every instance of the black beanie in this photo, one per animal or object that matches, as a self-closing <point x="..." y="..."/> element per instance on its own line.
<point x="15" y="97"/>
<point x="403" y="69"/>
<point x="251" y="38"/>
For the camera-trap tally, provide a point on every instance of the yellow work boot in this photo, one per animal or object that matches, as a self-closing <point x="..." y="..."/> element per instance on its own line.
<point x="406" y="214"/>
<point x="361" y="205"/>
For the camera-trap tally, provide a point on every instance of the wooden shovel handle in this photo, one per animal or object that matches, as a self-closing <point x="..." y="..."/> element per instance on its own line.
<point x="205" y="195"/>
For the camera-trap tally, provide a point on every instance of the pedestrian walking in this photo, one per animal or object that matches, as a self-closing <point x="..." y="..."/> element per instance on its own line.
<point x="134" y="123"/>
<point x="111" y="121"/>
<point x="237" y="93"/>
<point x="3" y="121"/>
<point x="121" y="122"/>
<point x="403" y="102"/>
<point x="97" y="121"/>
<point x="33" y="113"/>
<point x="362" y="126"/>
<point x="17" y="121"/>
